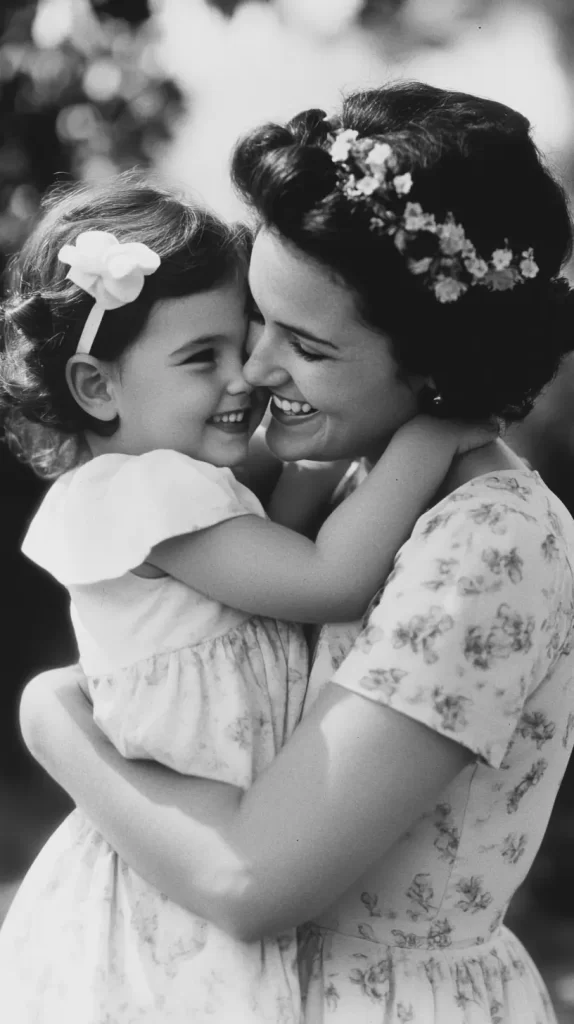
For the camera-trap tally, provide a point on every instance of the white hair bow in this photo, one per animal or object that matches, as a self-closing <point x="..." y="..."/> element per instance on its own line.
<point x="112" y="272"/>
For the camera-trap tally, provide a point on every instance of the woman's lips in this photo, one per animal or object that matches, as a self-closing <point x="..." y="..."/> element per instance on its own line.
<point x="291" y="411"/>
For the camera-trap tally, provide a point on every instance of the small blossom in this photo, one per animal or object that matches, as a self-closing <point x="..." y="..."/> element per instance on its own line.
<point x="400" y="239"/>
<point x="415" y="219"/>
<point x="367" y="185"/>
<point x="420" y="266"/>
<point x="476" y="267"/>
<point x="403" y="183"/>
<point x="528" y="267"/>
<point x="501" y="259"/>
<point x="452" y="237"/>
<point x="376" y="223"/>
<point x="448" y="289"/>
<point x="378" y="157"/>
<point x="502" y="280"/>
<point x="340" y="149"/>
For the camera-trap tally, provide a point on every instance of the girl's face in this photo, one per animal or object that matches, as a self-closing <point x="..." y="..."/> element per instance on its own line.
<point x="181" y="384"/>
<point x="337" y="391"/>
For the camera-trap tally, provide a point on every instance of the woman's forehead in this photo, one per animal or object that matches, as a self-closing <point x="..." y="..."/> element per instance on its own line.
<point x="285" y="281"/>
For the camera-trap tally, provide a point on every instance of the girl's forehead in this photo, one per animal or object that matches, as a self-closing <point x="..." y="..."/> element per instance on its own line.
<point x="219" y="310"/>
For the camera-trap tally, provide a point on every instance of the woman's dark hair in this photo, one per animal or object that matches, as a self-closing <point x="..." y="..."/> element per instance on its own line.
<point x="489" y="353"/>
<point x="44" y="314"/>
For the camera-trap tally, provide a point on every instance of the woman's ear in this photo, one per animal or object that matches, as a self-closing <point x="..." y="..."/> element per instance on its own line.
<point x="91" y="383"/>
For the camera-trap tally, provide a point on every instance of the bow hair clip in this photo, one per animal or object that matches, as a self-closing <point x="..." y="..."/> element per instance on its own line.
<point x="112" y="272"/>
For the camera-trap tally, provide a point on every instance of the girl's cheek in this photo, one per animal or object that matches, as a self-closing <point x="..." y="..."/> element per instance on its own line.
<point x="254" y="332"/>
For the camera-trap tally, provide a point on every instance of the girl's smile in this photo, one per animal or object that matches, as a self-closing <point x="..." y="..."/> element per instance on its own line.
<point x="181" y="385"/>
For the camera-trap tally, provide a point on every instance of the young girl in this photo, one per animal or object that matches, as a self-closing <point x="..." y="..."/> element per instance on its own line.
<point x="137" y="402"/>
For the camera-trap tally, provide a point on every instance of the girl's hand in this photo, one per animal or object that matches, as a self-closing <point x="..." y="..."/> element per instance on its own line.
<point x="463" y="437"/>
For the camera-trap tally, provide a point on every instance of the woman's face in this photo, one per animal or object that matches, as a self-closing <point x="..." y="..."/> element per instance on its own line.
<point x="337" y="391"/>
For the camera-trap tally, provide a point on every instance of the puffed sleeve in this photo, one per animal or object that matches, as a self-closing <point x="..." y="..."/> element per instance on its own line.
<point x="458" y="637"/>
<point x="102" y="519"/>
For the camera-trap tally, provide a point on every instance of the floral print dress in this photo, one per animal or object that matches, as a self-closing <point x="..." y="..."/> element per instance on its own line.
<point x="176" y="678"/>
<point x="472" y="636"/>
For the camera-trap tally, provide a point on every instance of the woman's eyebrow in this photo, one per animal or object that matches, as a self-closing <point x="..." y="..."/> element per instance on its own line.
<point x="305" y="334"/>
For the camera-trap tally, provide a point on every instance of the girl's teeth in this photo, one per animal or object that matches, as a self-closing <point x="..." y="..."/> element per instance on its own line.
<point x="229" y="417"/>
<point x="293" y="408"/>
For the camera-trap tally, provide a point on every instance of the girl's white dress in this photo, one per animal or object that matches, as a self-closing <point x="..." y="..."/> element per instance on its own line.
<point x="176" y="678"/>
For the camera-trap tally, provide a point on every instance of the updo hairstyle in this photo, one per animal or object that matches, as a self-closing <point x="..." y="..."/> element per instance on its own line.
<point x="489" y="353"/>
<point x="44" y="314"/>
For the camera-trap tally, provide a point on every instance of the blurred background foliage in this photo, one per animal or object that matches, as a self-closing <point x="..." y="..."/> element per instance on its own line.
<point x="90" y="87"/>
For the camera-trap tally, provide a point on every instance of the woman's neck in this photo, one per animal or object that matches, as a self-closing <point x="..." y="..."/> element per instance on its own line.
<point x="491" y="458"/>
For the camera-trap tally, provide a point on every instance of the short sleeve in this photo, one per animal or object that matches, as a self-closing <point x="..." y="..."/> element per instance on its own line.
<point x="458" y="638"/>
<point x="102" y="519"/>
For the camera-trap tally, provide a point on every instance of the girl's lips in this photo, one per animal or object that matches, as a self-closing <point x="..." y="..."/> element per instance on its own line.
<point x="236" y="421"/>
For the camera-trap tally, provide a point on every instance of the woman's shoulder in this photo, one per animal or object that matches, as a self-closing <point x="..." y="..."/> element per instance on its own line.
<point x="513" y="504"/>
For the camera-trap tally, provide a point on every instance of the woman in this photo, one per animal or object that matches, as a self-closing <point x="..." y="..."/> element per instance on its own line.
<point x="408" y="258"/>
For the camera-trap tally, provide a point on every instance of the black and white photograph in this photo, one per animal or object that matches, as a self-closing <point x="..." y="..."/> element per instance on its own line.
<point x="287" y="511"/>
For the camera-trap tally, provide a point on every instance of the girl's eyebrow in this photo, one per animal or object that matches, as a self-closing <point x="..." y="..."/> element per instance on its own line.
<point x="305" y="334"/>
<point x="204" y="339"/>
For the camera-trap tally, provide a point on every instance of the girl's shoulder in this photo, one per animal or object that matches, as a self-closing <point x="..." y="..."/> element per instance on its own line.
<point x="101" y="519"/>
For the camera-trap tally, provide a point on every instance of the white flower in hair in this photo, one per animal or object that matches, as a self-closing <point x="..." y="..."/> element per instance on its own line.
<point x="403" y="183"/>
<point x="367" y="185"/>
<point x="112" y="272"/>
<point x="449" y="289"/>
<point x="476" y="266"/>
<point x="452" y="237"/>
<point x="340" y="149"/>
<point x="378" y="157"/>
<point x="501" y="259"/>
<point x="528" y="266"/>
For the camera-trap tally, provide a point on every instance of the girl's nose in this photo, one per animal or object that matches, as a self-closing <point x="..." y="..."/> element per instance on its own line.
<point x="239" y="385"/>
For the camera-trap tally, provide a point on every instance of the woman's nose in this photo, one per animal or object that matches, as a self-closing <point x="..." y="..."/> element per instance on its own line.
<point x="262" y="368"/>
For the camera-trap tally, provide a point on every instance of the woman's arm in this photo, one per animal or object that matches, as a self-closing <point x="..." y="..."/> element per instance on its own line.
<point x="350" y="781"/>
<point x="262" y="568"/>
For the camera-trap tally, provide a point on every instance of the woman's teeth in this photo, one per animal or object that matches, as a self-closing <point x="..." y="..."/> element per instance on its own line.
<point x="230" y="417"/>
<point x="293" y="408"/>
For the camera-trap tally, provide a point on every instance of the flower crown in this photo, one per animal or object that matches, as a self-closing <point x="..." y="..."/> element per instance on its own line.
<point x="439" y="253"/>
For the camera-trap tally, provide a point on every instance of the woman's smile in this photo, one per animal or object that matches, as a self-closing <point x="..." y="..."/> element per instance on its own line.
<point x="287" y="409"/>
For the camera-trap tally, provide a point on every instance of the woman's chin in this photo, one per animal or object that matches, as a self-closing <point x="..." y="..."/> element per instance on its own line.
<point x="298" y="441"/>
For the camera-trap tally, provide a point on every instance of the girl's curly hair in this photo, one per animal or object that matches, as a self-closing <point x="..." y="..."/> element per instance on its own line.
<point x="44" y="313"/>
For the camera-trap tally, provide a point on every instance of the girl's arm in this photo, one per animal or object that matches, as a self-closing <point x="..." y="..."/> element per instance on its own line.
<point x="260" y="567"/>
<point x="349" y="782"/>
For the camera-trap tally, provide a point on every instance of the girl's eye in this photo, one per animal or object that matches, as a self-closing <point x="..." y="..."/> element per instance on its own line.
<point x="255" y="316"/>
<point x="203" y="357"/>
<point x="304" y="352"/>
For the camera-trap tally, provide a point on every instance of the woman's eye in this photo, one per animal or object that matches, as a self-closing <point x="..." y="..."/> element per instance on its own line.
<point x="304" y="352"/>
<point x="204" y="356"/>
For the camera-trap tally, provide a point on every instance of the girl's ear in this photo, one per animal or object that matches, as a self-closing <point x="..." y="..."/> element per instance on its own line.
<point x="91" y="383"/>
